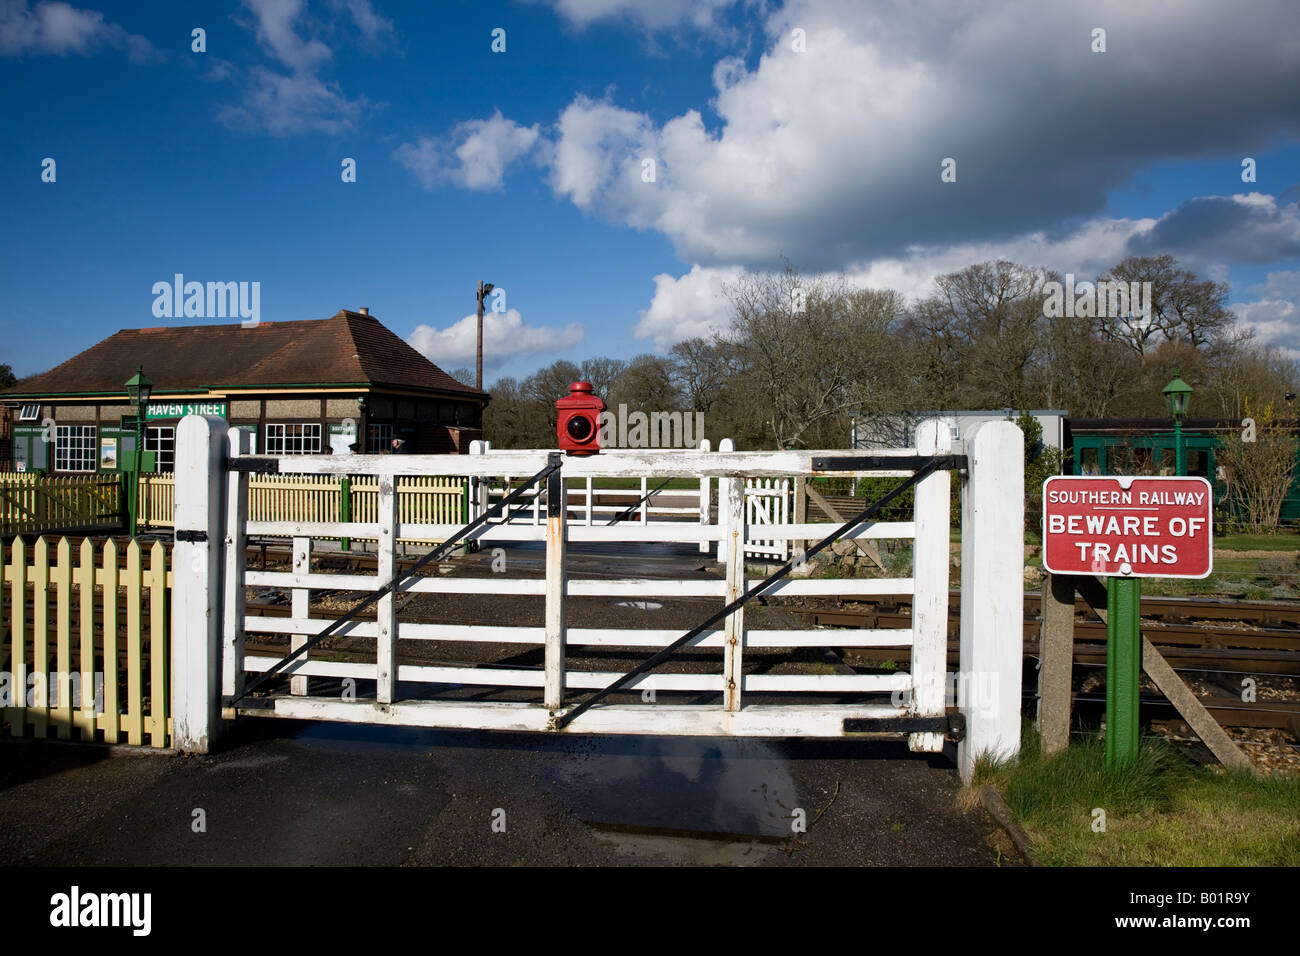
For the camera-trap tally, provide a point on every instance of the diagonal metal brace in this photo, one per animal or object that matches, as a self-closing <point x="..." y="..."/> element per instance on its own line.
<point x="555" y="461"/>
<point x="930" y="465"/>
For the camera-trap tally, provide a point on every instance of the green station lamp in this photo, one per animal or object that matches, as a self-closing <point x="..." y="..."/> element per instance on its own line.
<point x="138" y="390"/>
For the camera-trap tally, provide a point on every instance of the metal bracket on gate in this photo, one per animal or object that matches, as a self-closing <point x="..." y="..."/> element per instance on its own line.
<point x="191" y="537"/>
<point x="255" y="465"/>
<point x="890" y="463"/>
<point x="952" y="726"/>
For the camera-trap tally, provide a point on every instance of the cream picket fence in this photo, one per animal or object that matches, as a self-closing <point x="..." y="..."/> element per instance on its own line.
<point x="84" y="642"/>
<point x="422" y="499"/>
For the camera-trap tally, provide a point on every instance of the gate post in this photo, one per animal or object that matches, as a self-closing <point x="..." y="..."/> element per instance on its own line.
<point x="706" y="496"/>
<point x="724" y="514"/>
<point x="733" y="634"/>
<point x="197" y="568"/>
<point x="992" y="594"/>
<point x="232" y="669"/>
<point x="386" y="612"/>
<point x="930" y="587"/>
<point x="556" y="588"/>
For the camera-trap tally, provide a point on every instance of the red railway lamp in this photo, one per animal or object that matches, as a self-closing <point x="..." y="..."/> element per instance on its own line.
<point x="579" y="424"/>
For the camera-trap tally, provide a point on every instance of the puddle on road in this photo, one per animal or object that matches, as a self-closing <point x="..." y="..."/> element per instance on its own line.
<point x="699" y="800"/>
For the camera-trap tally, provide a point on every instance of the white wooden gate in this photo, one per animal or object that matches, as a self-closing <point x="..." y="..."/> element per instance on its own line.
<point x="767" y="503"/>
<point x="212" y="661"/>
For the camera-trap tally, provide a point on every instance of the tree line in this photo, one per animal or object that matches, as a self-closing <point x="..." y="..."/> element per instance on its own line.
<point x="802" y="353"/>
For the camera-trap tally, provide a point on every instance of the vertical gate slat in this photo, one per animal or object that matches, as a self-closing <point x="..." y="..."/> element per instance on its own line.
<point x="930" y="587"/>
<point x="386" y="566"/>
<point x="300" y="608"/>
<point x="110" y="720"/>
<point x="734" y="625"/>
<point x="40" y="695"/>
<point x="159" y="646"/>
<point x="134" y="683"/>
<point x="63" y="629"/>
<point x="18" y="636"/>
<point x="86" y="603"/>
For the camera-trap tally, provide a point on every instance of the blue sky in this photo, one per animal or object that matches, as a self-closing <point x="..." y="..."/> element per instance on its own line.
<point x="526" y="167"/>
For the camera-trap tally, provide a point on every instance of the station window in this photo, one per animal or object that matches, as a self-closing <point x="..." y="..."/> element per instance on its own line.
<point x="379" y="439"/>
<point x="293" y="439"/>
<point x="74" y="448"/>
<point x="161" y="440"/>
<point x="30" y="413"/>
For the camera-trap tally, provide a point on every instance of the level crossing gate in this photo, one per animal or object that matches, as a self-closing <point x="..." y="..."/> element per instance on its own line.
<point x="979" y="705"/>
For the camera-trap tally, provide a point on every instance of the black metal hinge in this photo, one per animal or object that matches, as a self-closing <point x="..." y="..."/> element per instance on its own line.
<point x="952" y="726"/>
<point x="889" y="463"/>
<point x="257" y="466"/>
<point x="191" y="537"/>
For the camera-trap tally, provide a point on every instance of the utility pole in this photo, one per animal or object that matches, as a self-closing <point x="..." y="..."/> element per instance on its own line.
<point x="484" y="289"/>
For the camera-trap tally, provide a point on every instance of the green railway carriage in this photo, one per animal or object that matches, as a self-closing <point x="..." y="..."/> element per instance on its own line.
<point x="1137" y="446"/>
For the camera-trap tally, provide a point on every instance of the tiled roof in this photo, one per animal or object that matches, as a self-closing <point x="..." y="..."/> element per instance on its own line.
<point x="347" y="348"/>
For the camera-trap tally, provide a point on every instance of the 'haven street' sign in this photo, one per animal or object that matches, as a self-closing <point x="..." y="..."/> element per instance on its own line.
<point x="1128" y="526"/>
<point x="181" y="409"/>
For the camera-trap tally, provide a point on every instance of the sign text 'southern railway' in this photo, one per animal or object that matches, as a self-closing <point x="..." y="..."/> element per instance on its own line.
<point x="1128" y="526"/>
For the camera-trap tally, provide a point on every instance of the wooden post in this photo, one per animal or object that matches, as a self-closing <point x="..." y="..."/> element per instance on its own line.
<point x="706" y="496"/>
<point x="556" y="588"/>
<point x="300" y="608"/>
<point x="386" y="645"/>
<point x="992" y="594"/>
<point x="800" y="511"/>
<point x="930" y="588"/>
<point x="234" y="609"/>
<point x="1056" y="662"/>
<point x="734" y="625"/>
<point x="197" y="605"/>
<point x="724" y="511"/>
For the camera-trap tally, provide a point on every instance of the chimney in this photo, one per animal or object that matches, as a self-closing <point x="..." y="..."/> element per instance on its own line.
<point x="365" y="310"/>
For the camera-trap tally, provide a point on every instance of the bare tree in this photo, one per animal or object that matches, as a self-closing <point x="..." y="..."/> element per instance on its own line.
<point x="1258" y="462"/>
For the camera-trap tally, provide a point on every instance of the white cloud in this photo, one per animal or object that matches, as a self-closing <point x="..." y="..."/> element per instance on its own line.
<point x="833" y="155"/>
<point x="375" y="30"/>
<point x="56" y="28"/>
<point x="693" y="305"/>
<point x="474" y="155"/>
<point x="505" y="336"/>
<point x="298" y="101"/>
<point x="1275" y="316"/>
<point x="646" y="14"/>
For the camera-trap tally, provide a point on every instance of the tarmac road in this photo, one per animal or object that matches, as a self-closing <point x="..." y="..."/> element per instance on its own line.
<point x="290" y="793"/>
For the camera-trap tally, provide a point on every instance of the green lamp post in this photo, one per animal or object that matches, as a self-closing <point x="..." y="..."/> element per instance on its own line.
<point x="1178" y="395"/>
<point x="138" y="390"/>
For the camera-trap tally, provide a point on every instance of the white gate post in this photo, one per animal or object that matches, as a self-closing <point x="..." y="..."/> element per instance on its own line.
<point x="232" y="668"/>
<point x="724" y="515"/>
<point x="992" y="594"/>
<point x="197" y="569"/>
<point x="731" y="499"/>
<point x="930" y="583"/>
<point x="706" y="496"/>
<point x="556" y="588"/>
<point x="386" y="613"/>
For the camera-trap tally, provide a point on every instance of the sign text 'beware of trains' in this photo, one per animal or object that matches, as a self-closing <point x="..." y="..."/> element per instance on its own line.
<point x="1128" y="526"/>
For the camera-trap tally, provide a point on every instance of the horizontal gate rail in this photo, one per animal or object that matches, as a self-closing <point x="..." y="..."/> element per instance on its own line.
<point x="930" y="464"/>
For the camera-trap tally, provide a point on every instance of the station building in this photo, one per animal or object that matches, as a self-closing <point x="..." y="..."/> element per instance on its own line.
<point x="300" y="387"/>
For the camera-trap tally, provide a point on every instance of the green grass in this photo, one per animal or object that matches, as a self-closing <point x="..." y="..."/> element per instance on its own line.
<point x="1282" y="541"/>
<point x="1160" y="810"/>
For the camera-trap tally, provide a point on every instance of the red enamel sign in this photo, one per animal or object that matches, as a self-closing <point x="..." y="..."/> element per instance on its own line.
<point x="1128" y="526"/>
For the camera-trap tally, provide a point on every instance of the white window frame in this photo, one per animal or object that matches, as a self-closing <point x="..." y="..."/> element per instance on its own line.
<point x="76" y="445"/>
<point x="293" y="438"/>
<point x="30" y="413"/>
<point x="163" y="446"/>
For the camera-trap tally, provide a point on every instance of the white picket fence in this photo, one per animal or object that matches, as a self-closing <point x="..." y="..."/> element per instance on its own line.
<point x="767" y="503"/>
<point x="211" y="626"/>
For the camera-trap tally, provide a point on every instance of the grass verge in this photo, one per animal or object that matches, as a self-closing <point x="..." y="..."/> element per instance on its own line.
<point x="1161" y="810"/>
